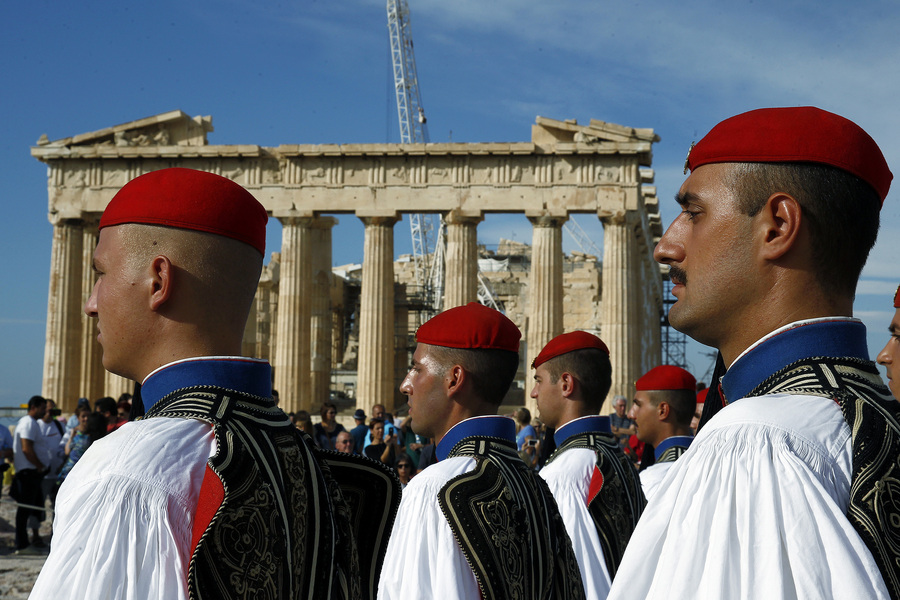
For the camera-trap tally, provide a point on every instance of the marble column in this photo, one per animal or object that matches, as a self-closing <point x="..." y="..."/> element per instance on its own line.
<point x="291" y="360"/>
<point x="62" y="349"/>
<point x="114" y="386"/>
<point x="461" y="273"/>
<point x="375" y="374"/>
<point x="320" y="323"/>
<point x="620" y="305"/>
<point x="251" y="330"/>
<point x="546" y="312"/>
<point x="92" y="372"/>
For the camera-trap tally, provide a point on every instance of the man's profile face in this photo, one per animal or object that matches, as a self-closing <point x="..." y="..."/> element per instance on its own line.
<point x="428" y="402"/>
<point x="114" y="302"/>
<point x="889" y="357"/>
<point x="548" y="396"/>
<point x="39" y="411"/>
<point x="645" y="417"/>
<point x="709" y="248"/>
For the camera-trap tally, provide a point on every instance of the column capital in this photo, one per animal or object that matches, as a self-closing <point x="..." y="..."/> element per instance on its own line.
<point x="58" y="220"/>
<point x="385" y="220"/>
<point x="630" y="218"/>
<point x="324" y="222"/>
<point x="547" y="220"/>
<point x="457" y="217"/>
<point x="301" y="220"/>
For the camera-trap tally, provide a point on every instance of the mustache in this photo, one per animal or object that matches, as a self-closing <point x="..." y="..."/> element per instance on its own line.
<point x="677" y="275"/>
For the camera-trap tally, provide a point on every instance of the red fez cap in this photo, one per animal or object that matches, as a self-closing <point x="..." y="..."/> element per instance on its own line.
<point x="701" y="395"/>
<point x="470" y="326"/>
<point x="801" y="134"/>
<point x="568" y="342"/>
<point x="189" y="199"/>
<point x="897" y="298"/>
<point x="666" y="377"/>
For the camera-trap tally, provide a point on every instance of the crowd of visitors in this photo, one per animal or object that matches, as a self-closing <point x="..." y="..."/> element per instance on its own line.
<point x="43" y="449"/>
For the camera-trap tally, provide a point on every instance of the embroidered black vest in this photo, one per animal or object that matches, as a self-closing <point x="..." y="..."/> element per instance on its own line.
<point x="874" y="420"/>
<point x="283" y="529"/>
<point x="506" y="522"/>
<point x="615" y="499"/>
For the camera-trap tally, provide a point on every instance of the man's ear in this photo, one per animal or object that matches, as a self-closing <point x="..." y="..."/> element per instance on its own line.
<point x="663" y="409"/>
<point x="780" y="218"/>
<point x="454" y="380"/>
<point x="568" y="384"/>
<point x="161" y="280"/>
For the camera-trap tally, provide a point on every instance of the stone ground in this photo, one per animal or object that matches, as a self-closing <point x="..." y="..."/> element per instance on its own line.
<point x="17" y="573"/>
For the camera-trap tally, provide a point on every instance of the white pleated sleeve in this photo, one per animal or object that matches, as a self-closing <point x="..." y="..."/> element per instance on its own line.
<point x="124" y="515"/>
<point x="569" y="480"/>
<point x="423" y="560"/>
<point x="755" y="509"/>
<point x="652" y="476"/>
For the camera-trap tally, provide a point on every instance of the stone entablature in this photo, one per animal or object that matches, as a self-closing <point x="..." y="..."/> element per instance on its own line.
<point x="599" y="168"/>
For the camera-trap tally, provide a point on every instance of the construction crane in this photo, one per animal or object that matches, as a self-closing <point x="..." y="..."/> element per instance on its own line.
<point x="414" y="130"/>
<point x="427" y="245"/>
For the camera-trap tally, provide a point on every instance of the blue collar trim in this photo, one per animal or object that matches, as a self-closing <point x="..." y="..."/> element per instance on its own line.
<point x="831" y="338"/>
<point x="486" y="426"/>
<point x="246" y="375"/>
<point x="683" y="441"/>
<point x="581" y="425"/>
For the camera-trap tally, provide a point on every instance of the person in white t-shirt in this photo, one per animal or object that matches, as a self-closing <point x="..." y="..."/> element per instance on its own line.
<point x="30" y="469"/>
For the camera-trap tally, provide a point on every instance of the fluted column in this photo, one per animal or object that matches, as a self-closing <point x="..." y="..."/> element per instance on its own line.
<point x="320" y="320"/>
<point x="114" y="386"/>
<point x="546" y="312"/>
<point x="620" y="310"/>
<point x="461" y="273"/>
<point x="62" y="349"/>
<point x="375" y="374"/>
<point x="92" y="372"/>
<point x="291" y="360"/>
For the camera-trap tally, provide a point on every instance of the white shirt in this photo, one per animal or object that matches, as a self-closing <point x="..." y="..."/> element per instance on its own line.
<point x="124" y="518"/>
<point x="48" y="448"/>
<point x="569" y="478"/>
<point x="27" y="428"/>
<point x="755" y="509"/>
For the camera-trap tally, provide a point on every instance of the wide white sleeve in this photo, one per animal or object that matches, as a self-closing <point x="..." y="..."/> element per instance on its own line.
<point x="652" y="476"/>
<point x="754" y="509"/>
<point x="423" y="560"/>
<point x="569" y="479"/>
<point x="124" y="515"/>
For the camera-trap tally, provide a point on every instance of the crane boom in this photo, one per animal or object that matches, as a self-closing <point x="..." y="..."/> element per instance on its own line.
<point x="413" y="130"/>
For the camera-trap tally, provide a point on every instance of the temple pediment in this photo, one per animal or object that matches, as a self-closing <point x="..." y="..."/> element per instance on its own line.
<point x="552" y="131"/>
<point x="173" y="128"/>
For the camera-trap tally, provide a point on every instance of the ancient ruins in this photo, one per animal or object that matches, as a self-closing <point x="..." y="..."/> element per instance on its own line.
<point x="317" y="324"/>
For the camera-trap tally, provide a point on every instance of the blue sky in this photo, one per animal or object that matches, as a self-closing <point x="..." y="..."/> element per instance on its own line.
<point x="318" y="72"/>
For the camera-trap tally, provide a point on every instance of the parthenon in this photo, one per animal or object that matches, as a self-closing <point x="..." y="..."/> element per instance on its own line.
<point x="599" y="168"/>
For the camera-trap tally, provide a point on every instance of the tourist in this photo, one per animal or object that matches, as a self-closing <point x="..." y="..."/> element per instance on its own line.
<point x="344" y="443"/>
<point x="26" y="485"/>
<point x="326" y="432"/>
<point x="388" y="450"/>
